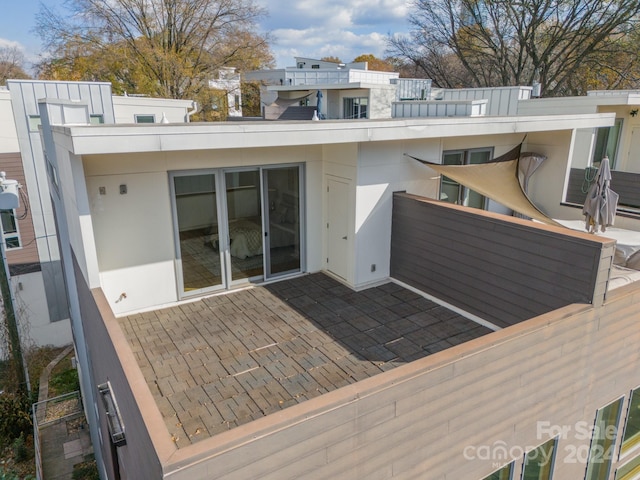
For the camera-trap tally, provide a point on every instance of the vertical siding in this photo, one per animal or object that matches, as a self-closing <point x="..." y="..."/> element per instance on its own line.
<point x="625" y="184"/>
<point x="27" y="254"/>
<point x="501" y="270"/>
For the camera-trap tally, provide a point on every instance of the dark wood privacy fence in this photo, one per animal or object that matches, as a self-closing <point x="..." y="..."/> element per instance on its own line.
<point x="502" y="269"/>
<point x="625" y="184"/>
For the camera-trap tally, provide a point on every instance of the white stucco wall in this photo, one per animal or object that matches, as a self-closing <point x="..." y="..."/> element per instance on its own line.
<point x="126" y="108"/>
<point x="134" y="231"/>
<point x="340" y="163"/>
<point x="8" y="135"/>
<point x="384" y="169"/>
<point x="546" y="187"/>
<point x="32" y="313"/>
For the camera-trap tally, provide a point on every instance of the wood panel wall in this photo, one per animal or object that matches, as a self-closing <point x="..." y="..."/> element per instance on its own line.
<point x="23" y="259"/>
<point x="502" y="269"/>
<point x="625" y="184"/>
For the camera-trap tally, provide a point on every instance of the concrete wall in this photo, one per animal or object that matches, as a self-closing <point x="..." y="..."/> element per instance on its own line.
<point x="457" y="414"/>
<point x="380" y="100"/>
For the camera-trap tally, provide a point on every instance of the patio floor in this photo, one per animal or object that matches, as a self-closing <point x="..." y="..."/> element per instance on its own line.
<point x="226" y="360"/>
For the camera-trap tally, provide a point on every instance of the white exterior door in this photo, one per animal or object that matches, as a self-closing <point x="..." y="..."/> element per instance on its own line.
<point x="632" y="164"/>
<point x="338" y="226"/>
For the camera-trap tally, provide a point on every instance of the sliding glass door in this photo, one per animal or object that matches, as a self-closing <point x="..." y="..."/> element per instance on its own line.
<point x="235" y="226"/>
<point x="244" y="224"/>
<point x="281" y="189"/>
<point x="195" y="208"/>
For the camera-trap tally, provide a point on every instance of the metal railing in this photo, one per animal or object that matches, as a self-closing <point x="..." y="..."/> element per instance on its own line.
<point x="52" y="411"/>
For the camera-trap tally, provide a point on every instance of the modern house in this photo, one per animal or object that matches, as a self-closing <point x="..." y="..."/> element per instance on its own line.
<point x="228" y="83"/>
<point x="290" y="300"/>
<point x="29" y="233"/>
<point x="332" y="91"/>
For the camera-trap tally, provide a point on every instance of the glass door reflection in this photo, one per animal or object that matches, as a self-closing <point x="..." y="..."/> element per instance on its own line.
<point x="282" y="194"/>
<point x="197" y="231"/>
<point x="244" y="217"/>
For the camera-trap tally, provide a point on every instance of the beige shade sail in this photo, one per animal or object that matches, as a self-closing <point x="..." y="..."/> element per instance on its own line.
<point x="497" y="180"/>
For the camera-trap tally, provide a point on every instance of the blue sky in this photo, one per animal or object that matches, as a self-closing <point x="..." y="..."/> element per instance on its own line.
<point x="305" y="28"/>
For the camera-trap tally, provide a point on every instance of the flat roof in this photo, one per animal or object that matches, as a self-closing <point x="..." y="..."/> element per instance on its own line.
<point x="109" y="139"/>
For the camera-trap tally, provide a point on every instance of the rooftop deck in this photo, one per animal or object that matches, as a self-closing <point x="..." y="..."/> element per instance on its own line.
<point x="226" y="360"/>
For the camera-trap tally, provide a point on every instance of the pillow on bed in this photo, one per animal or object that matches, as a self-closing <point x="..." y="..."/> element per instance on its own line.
<point x="634" y="261"/>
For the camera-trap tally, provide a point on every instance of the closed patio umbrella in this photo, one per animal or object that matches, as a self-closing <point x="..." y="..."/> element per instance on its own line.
<point x="600" y="205"/>
<point x="319" y="104"/>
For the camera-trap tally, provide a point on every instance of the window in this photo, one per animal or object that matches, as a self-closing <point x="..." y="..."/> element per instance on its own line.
<point x="96" y="119"/>
<point x="236" y="102"/>
<point x="505" y="473"/>
<point x="145" y="118"/>
<point x="34" y="122"/>
<point x="10" y="229"/>
<point x="631" y="437"/>
<point x="630" y="470"/>
<point x="607" y="139"/>
<point x="603" y="441"/>
<point x="538" y="463"/>
<point x="356" y="107"/>
<point x="450" y="190"/>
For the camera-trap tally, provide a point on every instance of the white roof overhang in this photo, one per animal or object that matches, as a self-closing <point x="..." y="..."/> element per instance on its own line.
<point x="104" y="139"/>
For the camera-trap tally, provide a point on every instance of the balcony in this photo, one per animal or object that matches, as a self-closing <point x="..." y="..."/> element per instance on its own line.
<point x="226" y="360"/>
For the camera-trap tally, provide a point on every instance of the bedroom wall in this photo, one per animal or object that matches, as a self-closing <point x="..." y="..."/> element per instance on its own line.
<point x="134" y="231"/>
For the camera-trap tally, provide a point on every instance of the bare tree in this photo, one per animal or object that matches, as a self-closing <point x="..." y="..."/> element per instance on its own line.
<point x="11" y="64"/>
<point x="514" y="42"/>
<point x="166" y="48"/>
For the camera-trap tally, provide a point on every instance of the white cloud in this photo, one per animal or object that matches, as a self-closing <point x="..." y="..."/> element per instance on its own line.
<point x="4" y="43"/>
<point x="340" y="28"/>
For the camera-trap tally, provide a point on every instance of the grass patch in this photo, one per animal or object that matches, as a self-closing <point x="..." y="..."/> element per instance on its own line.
<point x="63" y="378"/>
<point x="86" y="470"/>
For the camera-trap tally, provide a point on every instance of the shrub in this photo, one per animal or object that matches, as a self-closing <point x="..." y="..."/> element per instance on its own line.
<point x="86" y="470"/>
<point x="12" y="475"/>
<point x="20" y="452"/>
<point x="15" y="418"/>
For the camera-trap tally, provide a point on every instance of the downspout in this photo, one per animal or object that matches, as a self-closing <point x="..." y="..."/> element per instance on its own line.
<point x="192" y="112"/>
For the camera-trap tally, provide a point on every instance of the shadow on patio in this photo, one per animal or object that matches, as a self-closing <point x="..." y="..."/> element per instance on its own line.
<point x="226" y="360"/>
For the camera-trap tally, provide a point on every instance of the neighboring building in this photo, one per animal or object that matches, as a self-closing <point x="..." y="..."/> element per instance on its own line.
<point x="29" y="232"/>
<point x="228" y="82"/>
<point x="333" y="91"/>
<point x="259" y="301"/>
<point x="620" y="142"/>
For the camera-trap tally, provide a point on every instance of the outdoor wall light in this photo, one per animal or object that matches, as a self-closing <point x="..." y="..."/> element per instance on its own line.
<point x="114" y="420"/>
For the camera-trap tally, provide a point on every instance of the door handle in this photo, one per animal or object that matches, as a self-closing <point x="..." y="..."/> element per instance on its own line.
<point x="344" y="238"/>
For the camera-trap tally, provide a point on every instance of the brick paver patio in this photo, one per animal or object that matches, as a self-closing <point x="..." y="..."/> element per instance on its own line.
<point x="225" y="360"/>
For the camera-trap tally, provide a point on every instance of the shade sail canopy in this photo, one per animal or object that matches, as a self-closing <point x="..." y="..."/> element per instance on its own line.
<point x="497" y="180"/>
